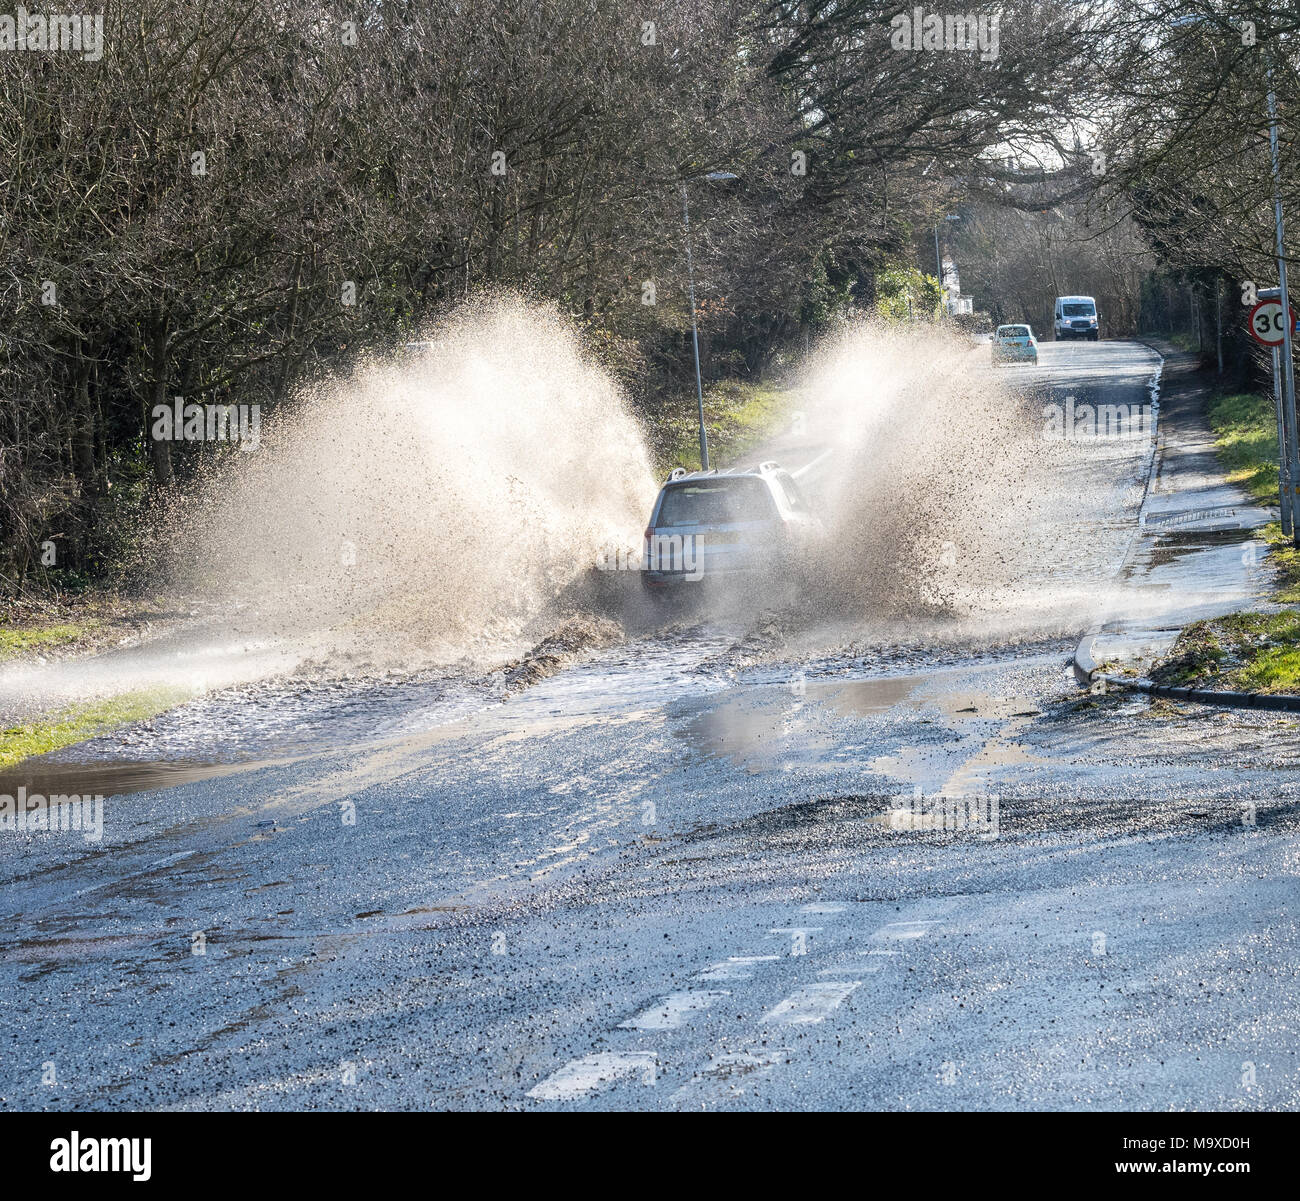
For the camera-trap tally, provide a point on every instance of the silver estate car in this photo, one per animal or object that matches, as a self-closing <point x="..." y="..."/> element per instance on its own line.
<point x="718" y="525"/>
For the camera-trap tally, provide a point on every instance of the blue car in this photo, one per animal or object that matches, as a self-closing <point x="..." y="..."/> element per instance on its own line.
<point x="1014" y="344"/>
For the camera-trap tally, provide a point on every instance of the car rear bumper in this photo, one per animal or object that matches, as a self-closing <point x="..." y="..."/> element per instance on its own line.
<point x="668" y="581"/>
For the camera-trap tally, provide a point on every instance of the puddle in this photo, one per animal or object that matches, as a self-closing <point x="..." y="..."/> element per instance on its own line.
<point x="748" y="728"/>
<point x="864" y="697"/>
<point x="287" y="719"/>
<point x="114" y="777"/>
<point x="1169" y="547"/>
<point x="755" y="726"/>
<point x="1180" y="577"/>
<point x="861" y="698"/>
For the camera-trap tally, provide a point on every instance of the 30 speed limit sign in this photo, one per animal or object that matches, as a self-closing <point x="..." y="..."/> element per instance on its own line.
<point x="1266" y="322"/>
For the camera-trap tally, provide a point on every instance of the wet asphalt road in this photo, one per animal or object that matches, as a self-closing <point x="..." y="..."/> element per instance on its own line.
<point x="673" y="878"/>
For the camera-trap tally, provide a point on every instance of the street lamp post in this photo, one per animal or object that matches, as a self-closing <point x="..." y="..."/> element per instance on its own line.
<point x="1284" y="488"/>
<point x="1285" y="491"/>
<point x="712" y="177"/>
<point x="1291" y="451"/>
<point x="695" y="335"/>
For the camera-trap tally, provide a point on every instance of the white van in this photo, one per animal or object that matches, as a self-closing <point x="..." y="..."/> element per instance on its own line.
<point x="1076" y="317"/>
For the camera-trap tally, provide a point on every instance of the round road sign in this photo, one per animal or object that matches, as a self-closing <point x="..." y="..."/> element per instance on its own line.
<point x="1266" y="322"/>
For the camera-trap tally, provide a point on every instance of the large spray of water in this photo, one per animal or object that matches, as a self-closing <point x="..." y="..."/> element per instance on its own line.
<point x="948" y="512"/>
<point x="429" y="506"/>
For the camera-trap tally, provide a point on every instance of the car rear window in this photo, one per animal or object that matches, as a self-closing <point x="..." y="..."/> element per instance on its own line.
<point x="1017" y="331"/>
<point x="715" y="502"/>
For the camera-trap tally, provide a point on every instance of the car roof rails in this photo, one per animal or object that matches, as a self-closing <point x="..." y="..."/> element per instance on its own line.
<point x="680" y="473"/>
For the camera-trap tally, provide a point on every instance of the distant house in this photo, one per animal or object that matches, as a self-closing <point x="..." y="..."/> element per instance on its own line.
<point x="953" y="300"/>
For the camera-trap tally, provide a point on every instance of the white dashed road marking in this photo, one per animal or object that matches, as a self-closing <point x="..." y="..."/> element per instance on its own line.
<point x="730" y="1073"/>
<point x="673" y="1010"/>
<point x="594" y="1072"/>
<point x="735" y="967"/>
<point x="905" y="930"/>
<point x="799" y="937"/>
<point x="808" y="1004"/>
<point x="811" y="1003"/>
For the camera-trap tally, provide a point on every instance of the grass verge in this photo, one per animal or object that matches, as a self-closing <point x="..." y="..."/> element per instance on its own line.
<point x="15" y="640"/>
<point x="738" y="417"/>
<point x="1243" y="652"/>
<point x="1245" y="435"/>
<point x="79" y="722"/>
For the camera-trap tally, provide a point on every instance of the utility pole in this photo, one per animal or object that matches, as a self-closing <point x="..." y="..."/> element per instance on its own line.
<point x="1285" y="489"/>
<point x="1284" y="468"/>
<point x="1291" y="450"/>
<point x="695" y="335"/>
<point x="712" y="177"/>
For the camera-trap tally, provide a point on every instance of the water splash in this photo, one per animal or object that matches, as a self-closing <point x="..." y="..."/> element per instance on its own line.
<point x="436" y="505"/>
<point x="948" y="513"/>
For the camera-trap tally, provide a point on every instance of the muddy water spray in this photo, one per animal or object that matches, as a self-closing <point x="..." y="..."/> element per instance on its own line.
<point x="436" y="504"/>
<point x="947" y="510"/>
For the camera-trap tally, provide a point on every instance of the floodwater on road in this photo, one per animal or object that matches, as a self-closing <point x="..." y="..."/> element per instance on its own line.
<point x="854" y="854"/>
<point x="992" y="540"/>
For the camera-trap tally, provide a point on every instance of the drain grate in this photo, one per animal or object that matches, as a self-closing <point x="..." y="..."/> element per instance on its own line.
<point x="1187" y="518"/>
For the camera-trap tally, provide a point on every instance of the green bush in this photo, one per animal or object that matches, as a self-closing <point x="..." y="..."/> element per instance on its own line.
<point x="905" y="293"/>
